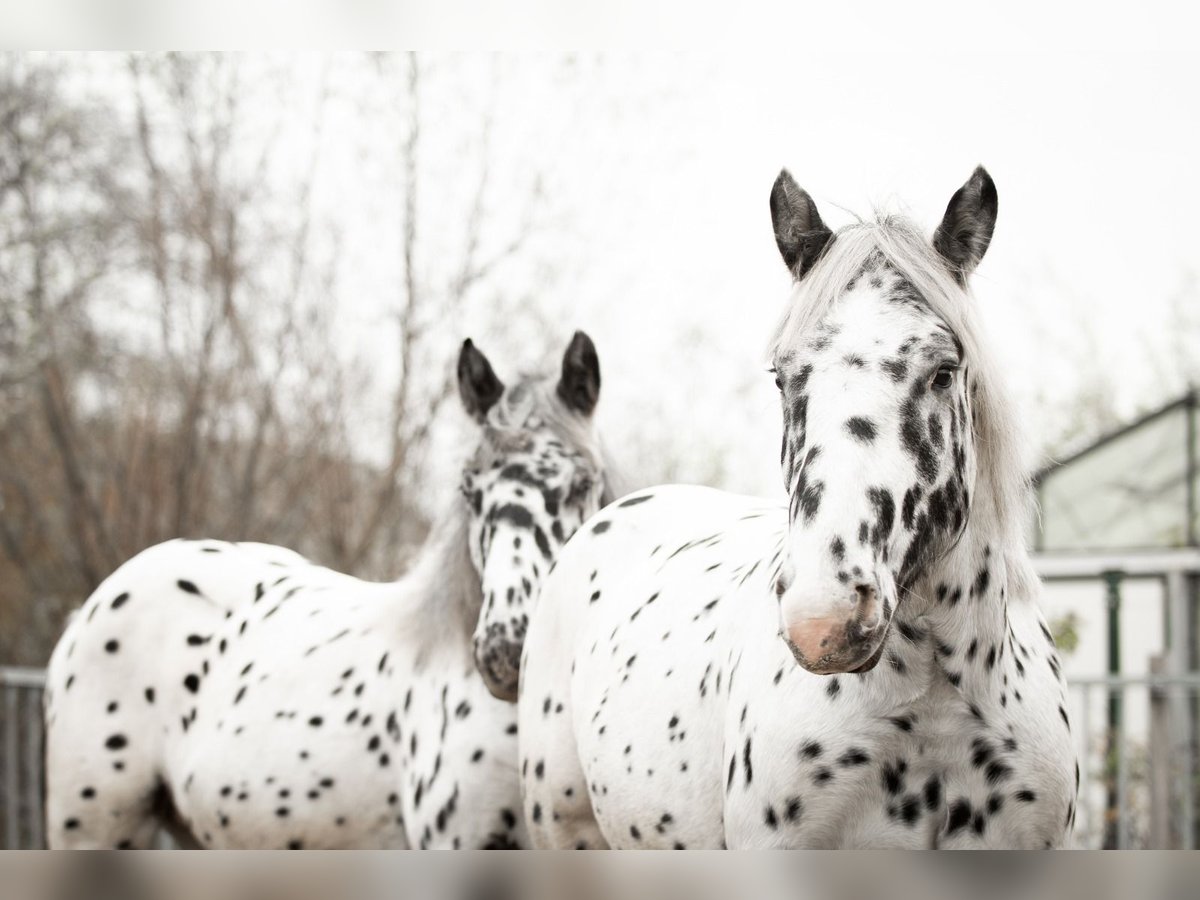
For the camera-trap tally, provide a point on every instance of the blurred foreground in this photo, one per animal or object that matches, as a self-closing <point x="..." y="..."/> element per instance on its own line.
<point x="362" y="876"/>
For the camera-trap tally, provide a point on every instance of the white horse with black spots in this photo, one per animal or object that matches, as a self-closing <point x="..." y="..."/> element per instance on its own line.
<point x="243" y="697"/>
<point x="865" y="666"/>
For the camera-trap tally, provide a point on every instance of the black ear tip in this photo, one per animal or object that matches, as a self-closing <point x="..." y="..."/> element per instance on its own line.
<point x="784" y="189"/>
<point x="981" y="178"/>
<point x="581" y="346"/>
<point x="470" y="356"/>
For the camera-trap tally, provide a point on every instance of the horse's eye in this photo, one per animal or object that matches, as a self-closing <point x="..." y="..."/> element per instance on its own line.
<point x="778" y="382"/>
<point x="943" y="378"/>
<point x="467" y="485"/>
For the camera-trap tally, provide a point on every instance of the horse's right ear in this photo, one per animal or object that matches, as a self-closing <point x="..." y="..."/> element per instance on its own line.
<point x="799" y="232"/>
<point x="966" y="229"/>
<point x="477" y="383"/>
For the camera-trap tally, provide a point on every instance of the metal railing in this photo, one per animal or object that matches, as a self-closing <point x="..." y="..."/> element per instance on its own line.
<point x="1137" y="743"/>
<point x="21" y="740"/>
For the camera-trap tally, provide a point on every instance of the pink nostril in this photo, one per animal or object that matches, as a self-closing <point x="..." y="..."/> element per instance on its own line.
<point x="865" y="592"/>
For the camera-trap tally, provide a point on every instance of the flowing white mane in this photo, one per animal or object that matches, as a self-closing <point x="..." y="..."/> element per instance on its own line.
<point x="1002" y="492"/>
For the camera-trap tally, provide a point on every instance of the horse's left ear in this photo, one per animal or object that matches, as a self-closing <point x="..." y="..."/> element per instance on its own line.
<point x="966" y="229"/>
<point x="579" y="386"/>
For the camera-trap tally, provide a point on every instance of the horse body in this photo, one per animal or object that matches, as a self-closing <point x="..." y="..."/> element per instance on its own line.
<point x="385" y="742"/>
<point x="865" y="666"/>
<point x="624" y="750"/>
<point x="107" y="734"/>
<point x="246" y="698"/>
<point x="278" y="705"/>
<point x="686" y="722"/>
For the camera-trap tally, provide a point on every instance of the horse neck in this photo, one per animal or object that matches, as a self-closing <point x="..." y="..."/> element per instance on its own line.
<point x="443" y="587"/>
<point x="989" y="568"/>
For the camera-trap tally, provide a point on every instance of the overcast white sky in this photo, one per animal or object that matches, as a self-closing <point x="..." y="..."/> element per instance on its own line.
<point x="916" y="27"/>
<point x="1095" y="162"/>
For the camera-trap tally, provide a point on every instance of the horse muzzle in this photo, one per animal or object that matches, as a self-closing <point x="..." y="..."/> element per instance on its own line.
<point x="848" y="637"/>
<point x="499" y="662"/>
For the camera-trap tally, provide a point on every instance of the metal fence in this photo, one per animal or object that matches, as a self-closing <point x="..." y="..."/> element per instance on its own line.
<point x="1137" y="745"/>
<point x="21" y="739"/>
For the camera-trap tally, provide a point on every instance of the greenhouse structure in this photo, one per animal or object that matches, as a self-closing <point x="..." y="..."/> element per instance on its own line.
<point x="1123" y="517"/>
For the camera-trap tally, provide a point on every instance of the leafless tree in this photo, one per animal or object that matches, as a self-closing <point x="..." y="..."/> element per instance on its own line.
<point x="425" y="305"/>
<point x="56" y="240"/>
<point x="169" y="310"/>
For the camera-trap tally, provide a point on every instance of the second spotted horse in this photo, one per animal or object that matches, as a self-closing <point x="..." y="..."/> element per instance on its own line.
<point x="242" y="697"/>
<point x="865" y="666"/>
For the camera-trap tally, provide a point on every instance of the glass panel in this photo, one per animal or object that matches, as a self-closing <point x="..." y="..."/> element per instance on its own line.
<point x="1128" y="493"/>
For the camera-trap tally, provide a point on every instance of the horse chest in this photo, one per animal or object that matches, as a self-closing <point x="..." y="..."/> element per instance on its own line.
<point x="811" y="762"/>
<point x="454" y="747"/>
<point x="880" y="761"/>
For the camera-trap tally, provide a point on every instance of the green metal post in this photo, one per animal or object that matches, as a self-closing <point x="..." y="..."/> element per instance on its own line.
<point x="1112" y="582"/>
